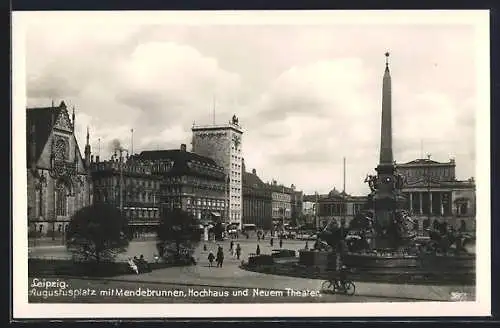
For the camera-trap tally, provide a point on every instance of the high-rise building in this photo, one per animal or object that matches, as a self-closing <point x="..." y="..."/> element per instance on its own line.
<point x="223" y="143"/>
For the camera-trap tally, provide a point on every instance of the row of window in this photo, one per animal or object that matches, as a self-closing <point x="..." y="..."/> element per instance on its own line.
<point x="432" y="171"/>
<point x="205" y="202"/>
<point x="235" y="166"/>
<point x="142" y="213"/>
<point x="281" y="197"/>
<point x="235" y="190"/>
<point x="112" y="181"/>
<point x="141" y="197"/>
<point x="235" y="215"/>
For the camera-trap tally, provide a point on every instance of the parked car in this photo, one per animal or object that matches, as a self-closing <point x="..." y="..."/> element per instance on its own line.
<point x="312" y="237"/>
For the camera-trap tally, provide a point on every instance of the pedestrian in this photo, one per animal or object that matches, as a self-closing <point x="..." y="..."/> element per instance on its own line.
<point x="307" y="245"/>
<point x="211" y="258"/>
<point x="281" y="242"/>
<point x="271" y="241"/>
<point x="204" y="247"/>
<point x="257" y="251"/>
<point x="133" y="266"/>
<point x="220" y="257"/>
<point x="231" y="245"/>
<point x="238" y="251"/>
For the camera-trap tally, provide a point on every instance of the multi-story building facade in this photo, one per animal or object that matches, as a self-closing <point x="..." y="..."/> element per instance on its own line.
<point x="223" y="143"/>
<point x="310" y="210"/>
<point x="297" y="203"/>
<point x="281" y="203"/>
<point x="189" y="181"/>
<point x="58" y="180"/>
<point x="257" y="201"/>
<point x="339" y="206"/>
<point x="132" y="186"/>
<point x="433" y="192"/>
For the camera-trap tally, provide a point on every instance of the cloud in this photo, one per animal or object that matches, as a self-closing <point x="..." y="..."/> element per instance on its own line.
<point x="306" y="96"/>
<point x="169" y="82"/>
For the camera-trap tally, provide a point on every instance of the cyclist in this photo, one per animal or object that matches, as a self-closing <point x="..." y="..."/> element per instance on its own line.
<point x="343" y="276"/>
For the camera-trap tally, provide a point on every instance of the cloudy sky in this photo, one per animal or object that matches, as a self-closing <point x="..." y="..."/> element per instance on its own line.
<point x="306" y="95"/>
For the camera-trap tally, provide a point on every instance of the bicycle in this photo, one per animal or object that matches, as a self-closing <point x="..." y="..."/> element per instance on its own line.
<point x="335" y="286"/>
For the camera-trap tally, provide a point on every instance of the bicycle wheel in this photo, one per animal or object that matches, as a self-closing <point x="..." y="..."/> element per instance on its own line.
<point x="327" y="286"/>
<point x="350" y="288"/>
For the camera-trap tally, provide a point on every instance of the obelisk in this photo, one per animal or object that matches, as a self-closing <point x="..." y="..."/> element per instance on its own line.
<point x="386" y="126"/>
<point x="385" y="197"/>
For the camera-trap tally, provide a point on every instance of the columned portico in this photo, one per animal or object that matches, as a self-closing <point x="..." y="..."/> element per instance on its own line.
<point x="430" y="202"/>
<point x="421" y="198"/>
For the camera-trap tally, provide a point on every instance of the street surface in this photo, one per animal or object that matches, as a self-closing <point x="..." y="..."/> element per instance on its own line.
<point x="201" y="283"/>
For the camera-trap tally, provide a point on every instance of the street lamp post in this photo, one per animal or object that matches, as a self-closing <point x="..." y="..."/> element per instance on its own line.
<point x="120" y="163"/>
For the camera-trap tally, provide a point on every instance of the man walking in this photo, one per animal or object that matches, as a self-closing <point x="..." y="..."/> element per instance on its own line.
<point x="220" y="257"/>
<point x="238" y="251"/>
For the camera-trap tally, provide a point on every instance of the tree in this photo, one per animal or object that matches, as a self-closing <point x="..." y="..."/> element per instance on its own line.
<point x="178" y="232"/>
<point x="97" y="232"/>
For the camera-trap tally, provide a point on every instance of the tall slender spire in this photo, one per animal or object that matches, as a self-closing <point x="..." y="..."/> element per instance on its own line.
<point x="386" y="126"/>
<point x="132" y="142"/>
<point x="88" y="151"/>
<point x="73" y="118"/>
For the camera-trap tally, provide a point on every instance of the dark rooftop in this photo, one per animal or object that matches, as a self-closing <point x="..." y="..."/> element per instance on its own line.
<point x="181" y="158"/>
<point x="42" y="118"/>
<point x="252" y="180"/>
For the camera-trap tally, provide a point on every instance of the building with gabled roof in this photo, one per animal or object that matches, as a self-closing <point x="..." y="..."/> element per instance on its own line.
<point x="58" y="177"/>
<point x="158" y="180"/>
<point x="190" y="181"/>
<point x="257" y="201"/>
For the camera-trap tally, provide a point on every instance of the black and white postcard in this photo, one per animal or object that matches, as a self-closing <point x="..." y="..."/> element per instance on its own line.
<point x="251" y="164"/>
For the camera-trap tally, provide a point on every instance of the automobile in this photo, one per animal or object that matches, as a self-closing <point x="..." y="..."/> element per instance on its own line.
<point x="302" y="236"/>
<point x="312" y="237"/>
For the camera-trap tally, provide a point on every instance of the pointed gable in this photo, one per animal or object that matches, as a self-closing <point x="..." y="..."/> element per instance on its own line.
<point x="63" y="122"/>
<point x="40" y="121"/>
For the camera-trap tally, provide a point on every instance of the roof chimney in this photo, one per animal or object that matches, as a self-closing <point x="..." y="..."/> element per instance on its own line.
<point x="183" y="147"/>
<point x="254" y="171"/>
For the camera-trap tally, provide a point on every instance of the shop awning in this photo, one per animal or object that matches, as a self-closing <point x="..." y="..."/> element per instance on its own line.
<point x="215" y="214"/>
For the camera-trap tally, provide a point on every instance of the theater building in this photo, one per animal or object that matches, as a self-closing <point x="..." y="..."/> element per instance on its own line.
<point x="189" y="181"/>
<point x="58" y="180"/>
<point x="257" y="201"/>
<point x="433" y="192"/>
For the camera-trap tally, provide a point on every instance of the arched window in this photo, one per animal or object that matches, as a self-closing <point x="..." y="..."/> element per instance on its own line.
<point x="62" y="149"/>
<point x="61" y="200"/>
